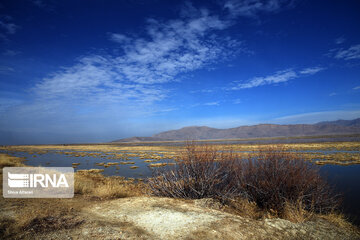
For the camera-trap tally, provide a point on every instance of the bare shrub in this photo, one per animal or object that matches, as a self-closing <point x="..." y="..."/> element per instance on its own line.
<point x="202" y="172"/>
<point x="273" y="178"/>
<point x="279" y="182"/>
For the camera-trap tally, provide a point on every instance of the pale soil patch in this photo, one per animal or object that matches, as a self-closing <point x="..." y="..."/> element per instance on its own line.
<point x="164" y="218"/>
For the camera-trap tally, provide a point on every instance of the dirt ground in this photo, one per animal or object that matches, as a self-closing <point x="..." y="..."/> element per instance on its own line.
<point x="164" y="218"/>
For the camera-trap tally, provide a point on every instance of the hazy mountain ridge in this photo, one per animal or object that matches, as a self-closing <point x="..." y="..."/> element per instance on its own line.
<point x="254" y="131"/>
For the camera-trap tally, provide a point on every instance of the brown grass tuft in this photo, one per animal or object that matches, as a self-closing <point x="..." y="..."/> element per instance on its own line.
<point x="9" y="161"/>
<point x="97" y="185"/>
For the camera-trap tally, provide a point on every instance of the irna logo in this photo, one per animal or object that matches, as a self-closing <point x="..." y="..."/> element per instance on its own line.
<point x="38" y="182"/>
<point x="16" y="180"/>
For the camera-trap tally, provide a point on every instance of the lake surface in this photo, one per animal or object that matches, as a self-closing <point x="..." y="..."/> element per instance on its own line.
<point x="345" y="179"/>
<point x="56" y="159"/>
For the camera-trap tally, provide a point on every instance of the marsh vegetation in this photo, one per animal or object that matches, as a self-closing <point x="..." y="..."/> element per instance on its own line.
<point x="257" y="182"/>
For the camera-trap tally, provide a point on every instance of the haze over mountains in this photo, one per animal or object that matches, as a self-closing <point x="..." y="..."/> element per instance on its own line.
<point x="254" y="131"/>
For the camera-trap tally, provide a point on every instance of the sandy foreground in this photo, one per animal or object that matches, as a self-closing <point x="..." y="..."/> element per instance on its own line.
<point x="165" y="218"/>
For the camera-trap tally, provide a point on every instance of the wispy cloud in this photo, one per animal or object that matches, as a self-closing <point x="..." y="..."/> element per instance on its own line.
<point x="356" y="88"/>
<point x="311" y="70"/>
<point x="6" y="69"/>
<point x="212" y="104"/>
<point x="352" y="52"/>
<point x="203" y="91"/>
<point x="133" y="83"/>
<point x="237" y="101"/>
<point x="170" y="48"/>
<point x="339" y="40"/>
<point x="333" y="94"/>
<point x="278" y="77"/>
<point x="11" y="53"/>
<point x="119" y="38"/>
<point x="250" y="8"/>
<point x="167" y="50"/>
<point x="314" y="117"/>
<point x="7" y="25"/>
<point x="47" y="5"/>
<point x="38" y="3"/>
<point x="6" y="103"/>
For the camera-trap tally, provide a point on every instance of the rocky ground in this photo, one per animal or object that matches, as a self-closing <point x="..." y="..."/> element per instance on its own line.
<point x="164" y="218"/>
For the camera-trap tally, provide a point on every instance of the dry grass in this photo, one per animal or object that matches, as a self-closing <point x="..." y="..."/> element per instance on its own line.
<point x="339" y="220"/>
<point x="39" y="215"/>
<point x="124" y="163"/>
<point x="144" y="151"/>
<point x="243" y="207"/>
<point x="9" y="161"/>
<point x="91" y="171"/>
<point x="93" y="184"/>
<point x="42" y="214"/>
<point x="21" y="218"/>
<point x="296" y="212"/>
<point x="160" y="164"/>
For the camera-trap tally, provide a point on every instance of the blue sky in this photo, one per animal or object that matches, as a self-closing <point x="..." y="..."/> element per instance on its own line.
<point x="93" y="71"/>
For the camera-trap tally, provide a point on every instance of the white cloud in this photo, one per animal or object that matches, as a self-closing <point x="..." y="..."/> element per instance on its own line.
<point x="356" y="88"/>
<point x="314" y="117"/>
<point x="202" y="91"/>
<point x="118" y="38"/>
<point x="333" y="94"/>
<point x="348" y="54"/>
<point x="311" y="70"/>
<point x="212" y="104"/>
<point x="169" y="49"/>
<point x="279" y="77"/>
<point x="104" y="90"/>
<point x="250" y="8"/>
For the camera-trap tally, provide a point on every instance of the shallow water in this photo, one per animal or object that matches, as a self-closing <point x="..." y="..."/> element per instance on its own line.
<point x="56" y="159"/>
<point x="346" y="180"/>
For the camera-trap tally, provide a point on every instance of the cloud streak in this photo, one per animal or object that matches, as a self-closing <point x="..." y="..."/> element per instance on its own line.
<point x="10" y="28"/>
<point x="314" y="117"/>
<point x="251" y="8"/>
<point x="351" y="53"/>
<point x="278" y="77"/>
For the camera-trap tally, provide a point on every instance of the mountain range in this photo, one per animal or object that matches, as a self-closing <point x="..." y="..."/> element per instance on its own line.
<point x="254" y="131"/>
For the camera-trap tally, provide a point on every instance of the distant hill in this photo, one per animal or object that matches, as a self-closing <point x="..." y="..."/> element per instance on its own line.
<point x="254" y="131"/>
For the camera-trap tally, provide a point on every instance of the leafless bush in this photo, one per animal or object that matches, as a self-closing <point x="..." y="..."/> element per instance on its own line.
<point x="273" y="177"/>
<point x="202" y="172"/>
